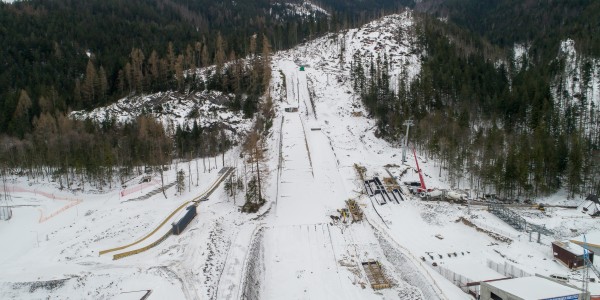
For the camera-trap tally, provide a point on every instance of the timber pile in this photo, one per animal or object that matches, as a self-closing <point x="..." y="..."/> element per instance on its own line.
<point x="375" y="275"/>
<point x="357" y="214"/>
<point x="390" y="183"/>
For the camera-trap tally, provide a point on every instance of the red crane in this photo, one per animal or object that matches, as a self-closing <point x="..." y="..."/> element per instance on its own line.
<point x="422" y="188"/>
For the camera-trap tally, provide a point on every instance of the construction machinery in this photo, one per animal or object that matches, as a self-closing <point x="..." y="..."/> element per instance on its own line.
<point x="588" y="265"/>
<point x="540" y="207"/>
<point x="422" y="189"/>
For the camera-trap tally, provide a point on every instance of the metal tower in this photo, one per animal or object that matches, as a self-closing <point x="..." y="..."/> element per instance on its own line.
<point x="407" y="123"/>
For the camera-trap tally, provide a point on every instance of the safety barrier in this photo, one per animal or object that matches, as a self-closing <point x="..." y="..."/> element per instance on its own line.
<point x="460" y="281"/>
<point x="507" y="269"/>
<point x="136" y="251"/>
<point x="16" y="189"/>
<point x="139" y="187"/>
<point x="196" y="199"/>
<point x="73" y="202"/>
<point x="54" y="214"/>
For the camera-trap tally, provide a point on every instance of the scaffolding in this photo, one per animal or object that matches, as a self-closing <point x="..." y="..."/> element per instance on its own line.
<point x="375" y="275"/>
<point x="515" y="220"/>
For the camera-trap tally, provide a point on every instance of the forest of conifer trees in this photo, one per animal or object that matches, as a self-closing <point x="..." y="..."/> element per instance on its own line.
<point x="497" y="128"/>
<point x="493" y="128"/>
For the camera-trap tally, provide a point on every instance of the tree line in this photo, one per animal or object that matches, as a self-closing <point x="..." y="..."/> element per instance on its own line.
<point x="85" y="54"/>
<point x="62" y="149"/>
<point x="62" y="55"/>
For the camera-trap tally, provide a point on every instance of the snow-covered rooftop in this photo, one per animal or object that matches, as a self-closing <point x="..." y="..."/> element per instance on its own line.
<point x="533" y="288"/>
<point x="573" y="248"/>
<point x="474" y="270"/>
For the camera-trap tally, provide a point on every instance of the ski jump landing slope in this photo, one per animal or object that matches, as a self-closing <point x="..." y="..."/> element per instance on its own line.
<point x="306" y="256"/>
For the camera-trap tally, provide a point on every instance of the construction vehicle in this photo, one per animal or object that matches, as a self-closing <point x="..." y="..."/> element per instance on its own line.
<point x="422" y="190"/>
<point x="540" y="207"/>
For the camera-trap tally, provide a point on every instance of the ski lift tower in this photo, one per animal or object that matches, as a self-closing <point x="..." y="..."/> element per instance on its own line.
<point x="588" y="265"/>
<point x="407" y="123"/>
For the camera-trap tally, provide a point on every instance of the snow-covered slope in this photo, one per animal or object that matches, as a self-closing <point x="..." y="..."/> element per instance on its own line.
<point x="301" y="8"/>
<point x="206" y="108"/>
<point x="430" y="231"/>
<point x="578" y="87"/>
<point x="392" y="36"/>
<point x="293" y="248"/>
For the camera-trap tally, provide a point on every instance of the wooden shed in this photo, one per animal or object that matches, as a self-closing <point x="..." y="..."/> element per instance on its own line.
<point x="570" y="255"/>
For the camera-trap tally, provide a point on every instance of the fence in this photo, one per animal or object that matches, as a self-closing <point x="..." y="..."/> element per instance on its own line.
<point x="5" y="213"/>
<point x="16" y="189"/>
<point x="55" y="213"/>
<point x="458" y="280"/>
<point x="139" y="187"/>
<point x="507" y="269"/>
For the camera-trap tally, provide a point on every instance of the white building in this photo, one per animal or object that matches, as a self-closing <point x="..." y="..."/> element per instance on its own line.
<point x="528" y="288"/>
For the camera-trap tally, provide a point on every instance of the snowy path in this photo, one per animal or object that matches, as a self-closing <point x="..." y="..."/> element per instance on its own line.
<point x="229" y="283"/>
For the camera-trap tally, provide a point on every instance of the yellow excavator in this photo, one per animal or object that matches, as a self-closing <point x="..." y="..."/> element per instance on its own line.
<point x="540" y="207"/>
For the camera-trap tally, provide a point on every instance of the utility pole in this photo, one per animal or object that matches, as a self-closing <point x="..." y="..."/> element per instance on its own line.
<point x="586" y="265"/>
<point x="298" y="90"/>
<point x="407" y="123"/>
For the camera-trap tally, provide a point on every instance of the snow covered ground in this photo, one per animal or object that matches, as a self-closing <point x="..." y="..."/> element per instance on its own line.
<point x="427" y="232"/>
<point x="300" y="8"/>
<point x="58" y="258"/>
<point x="292" y="248"/>
<point x="172" y="109"/>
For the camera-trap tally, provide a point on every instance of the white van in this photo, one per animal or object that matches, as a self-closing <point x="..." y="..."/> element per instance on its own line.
<point x="560" y="277"/>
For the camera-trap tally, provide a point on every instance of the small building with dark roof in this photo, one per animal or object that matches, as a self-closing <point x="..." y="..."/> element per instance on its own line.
<point x="570" y="255"/>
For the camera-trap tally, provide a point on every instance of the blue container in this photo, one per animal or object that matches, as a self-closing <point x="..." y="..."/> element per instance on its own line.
<point x="180" y="225"/>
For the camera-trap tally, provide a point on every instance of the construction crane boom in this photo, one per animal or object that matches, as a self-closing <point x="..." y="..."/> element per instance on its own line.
<point x="423" y="188"/>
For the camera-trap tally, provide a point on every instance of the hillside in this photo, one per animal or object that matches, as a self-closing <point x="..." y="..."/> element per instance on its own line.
<point x="495" y="117"/>
<point x="207" y="110"/>
<point x="542" y="23"/>
<point x="50" y="48"/>
<point x="298" y="244"/>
